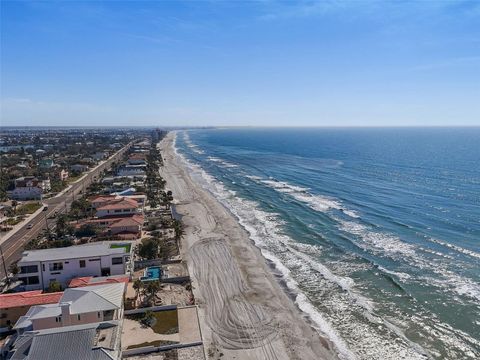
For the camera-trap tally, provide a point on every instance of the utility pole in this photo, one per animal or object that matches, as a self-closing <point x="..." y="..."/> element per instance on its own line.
<point x="46" y="221"/>
<point x="4" y="265"/>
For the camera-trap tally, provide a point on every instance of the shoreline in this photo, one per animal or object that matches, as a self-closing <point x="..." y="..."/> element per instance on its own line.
<point x="245" y="312"/>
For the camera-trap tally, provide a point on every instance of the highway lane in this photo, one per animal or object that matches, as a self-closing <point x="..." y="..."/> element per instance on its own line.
<point x="13" y="246"/>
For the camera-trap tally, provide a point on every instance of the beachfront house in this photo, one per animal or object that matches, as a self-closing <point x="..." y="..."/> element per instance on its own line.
<point x="127" y="227"/>
<point x="131" y="170"/>
<point x="129" y="193"/>
<point x="15" y="305"/>
<point x="99" y="341"/>
<point x="38" y="268"/>
<point x="117" y="207"/>
<point x="77" y="306"/>
<point x="137" y="159"/>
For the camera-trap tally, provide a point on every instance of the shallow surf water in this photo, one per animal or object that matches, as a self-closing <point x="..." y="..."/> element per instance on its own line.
<point x="376" y="232"/>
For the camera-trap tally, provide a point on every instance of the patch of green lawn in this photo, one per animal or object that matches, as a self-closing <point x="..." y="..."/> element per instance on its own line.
<point x="166" y="322"/>
<point x="13" y="221"/>
<point x="28" y="208"/>
<point x="118" y="246"/>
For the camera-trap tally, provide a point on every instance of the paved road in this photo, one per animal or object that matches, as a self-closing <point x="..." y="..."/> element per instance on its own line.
<point x="12" y="247"/>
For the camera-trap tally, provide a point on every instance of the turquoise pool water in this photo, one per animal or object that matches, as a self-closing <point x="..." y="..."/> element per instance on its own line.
<point x="151" y="273"/>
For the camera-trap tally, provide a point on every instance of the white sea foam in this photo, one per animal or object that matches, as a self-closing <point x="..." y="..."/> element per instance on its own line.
<point x="192" y="146"/>
<point x="222" y="162"/>
<point x="457" y="248"/>
<point x="282" y="186"/>
<point x="316" y="202"/>
<point x="392" y="246"/>
<point x="351" y="213"/>
<point x="253" y="177"/>
<point x="400" y="275"/>
<point x="378" y="241"/>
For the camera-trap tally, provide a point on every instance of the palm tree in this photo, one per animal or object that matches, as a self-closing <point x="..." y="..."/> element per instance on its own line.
<point x="151" y="289"/>
<point x="14" y="205"/>
<point x="137" y="286"/>
<point x="169" y="197"/>
<point x="178" y="228"/>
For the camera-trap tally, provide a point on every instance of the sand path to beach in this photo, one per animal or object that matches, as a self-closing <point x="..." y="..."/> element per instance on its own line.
<point x="244" y="314"/>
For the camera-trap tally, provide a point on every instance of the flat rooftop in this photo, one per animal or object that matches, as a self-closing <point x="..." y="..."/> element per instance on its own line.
<point x="72" y="252"/>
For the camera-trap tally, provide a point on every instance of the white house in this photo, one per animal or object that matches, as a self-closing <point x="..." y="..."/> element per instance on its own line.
<point x="79" y="167"/>
<point x="29" y="187"/>
<point x="131" y="170"/>
<point x="38" y="268"/>
<point x="63" y="175"/>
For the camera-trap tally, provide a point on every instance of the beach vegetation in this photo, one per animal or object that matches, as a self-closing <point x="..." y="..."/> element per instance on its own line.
<point x="54" y="286"/>
<point x="150" y="290"/>
<point x="63" y="228"/>
<point x="149" y="248"/>
<point x="86" y="231"/>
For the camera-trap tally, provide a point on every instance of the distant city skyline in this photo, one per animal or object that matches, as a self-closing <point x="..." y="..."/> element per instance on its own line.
<point x="266" y="63"/>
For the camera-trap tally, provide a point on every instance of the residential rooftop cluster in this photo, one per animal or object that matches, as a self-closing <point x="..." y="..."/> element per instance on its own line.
<point x="38" y="164"/>
<point x="104" y="270"/>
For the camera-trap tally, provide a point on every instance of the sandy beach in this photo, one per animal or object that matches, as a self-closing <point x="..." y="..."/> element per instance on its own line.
<point x="244" y="313"/>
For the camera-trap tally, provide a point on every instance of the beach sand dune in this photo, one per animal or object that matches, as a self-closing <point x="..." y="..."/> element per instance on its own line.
<point x="244" y="314"/>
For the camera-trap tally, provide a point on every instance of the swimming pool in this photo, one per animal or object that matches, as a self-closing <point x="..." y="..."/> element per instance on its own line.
<point x="151" y="273"/>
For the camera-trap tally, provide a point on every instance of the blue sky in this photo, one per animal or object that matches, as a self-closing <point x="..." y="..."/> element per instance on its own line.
<point x="273" y="63"/>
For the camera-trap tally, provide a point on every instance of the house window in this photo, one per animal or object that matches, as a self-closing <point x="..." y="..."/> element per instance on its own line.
<point x="117" y="260"/>
<point x="82" y="263"/>
<point x="58" y="319"/>
<point x="118" y="211"/>
<point x="98" y="259"/>
<point x="30" y="280"/>
<point x="56" y="266"/>
<point x="33" y="280"/>
<point x="28" y="269"/>
<point x="98" y="314"/>
<point x="78" y="317"/>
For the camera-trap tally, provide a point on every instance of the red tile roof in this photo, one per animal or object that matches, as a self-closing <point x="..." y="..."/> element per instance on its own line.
<point x="102" y="198"/>
<point x="122" y="203"/>
<point x="134" y="220"/>
<point x="28" y="298"/>
<point x="90" y="280"/>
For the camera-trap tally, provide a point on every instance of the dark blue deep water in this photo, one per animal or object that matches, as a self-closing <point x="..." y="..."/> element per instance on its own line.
<point x="377" y="230"/>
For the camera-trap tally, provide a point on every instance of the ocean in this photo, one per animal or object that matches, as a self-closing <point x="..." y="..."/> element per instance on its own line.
<point x="374" y="231"/>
